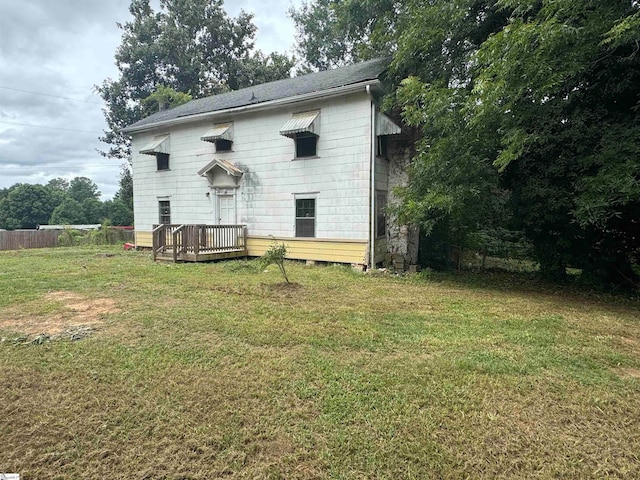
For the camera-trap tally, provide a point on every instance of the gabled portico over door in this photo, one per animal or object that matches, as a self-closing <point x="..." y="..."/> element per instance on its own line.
<point x="224" y="179"/>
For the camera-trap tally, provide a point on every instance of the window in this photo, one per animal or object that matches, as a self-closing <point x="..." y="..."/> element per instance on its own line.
<point x="381" y="146"/>
<point x="221" y="135"/>
<point x="159" y="148"/>
<point x="223" y="145"/>
<point x="305" y="217"/>
<point x="306" y="145"/>
<point x="304" y="129"/>
<point x="162" y="160"/>
<point x="381" y="218"/>
<point x="165" y="212"/>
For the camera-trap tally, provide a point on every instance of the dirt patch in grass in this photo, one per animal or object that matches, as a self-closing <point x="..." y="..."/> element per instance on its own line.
<point x="628" y="373"/>
<point x="56" y="312"/>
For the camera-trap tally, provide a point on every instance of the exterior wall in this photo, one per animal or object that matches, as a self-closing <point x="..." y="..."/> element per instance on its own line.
<point x="264" y="198"/>
<point x="402" y="239"/>
<point x="346" y="251"/>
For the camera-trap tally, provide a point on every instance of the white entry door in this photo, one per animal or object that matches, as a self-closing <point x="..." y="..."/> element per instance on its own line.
<point x="226" y="210"/>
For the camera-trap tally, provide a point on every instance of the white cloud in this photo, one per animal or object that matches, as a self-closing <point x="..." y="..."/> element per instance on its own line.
<point x="62" y="49"/>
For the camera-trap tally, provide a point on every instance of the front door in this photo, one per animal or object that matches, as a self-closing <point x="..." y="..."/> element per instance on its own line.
<point x="226" y="210"/>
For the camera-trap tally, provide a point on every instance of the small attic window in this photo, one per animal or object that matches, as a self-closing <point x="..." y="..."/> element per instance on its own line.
<point x="384" y="128"/>
<point x="306" y="145"/>
<point x="159" y="148"/>
<point x="303" y="129"/>
<point x="162" y="160"/>
<point x="381" y="146"/>
<point x="223" y="145"/>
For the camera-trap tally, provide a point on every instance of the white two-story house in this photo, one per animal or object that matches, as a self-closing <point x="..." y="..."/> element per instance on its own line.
<point x="301" y="160"/>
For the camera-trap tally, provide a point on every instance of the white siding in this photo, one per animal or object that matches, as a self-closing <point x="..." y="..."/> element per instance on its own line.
<point x="265" y="197"/>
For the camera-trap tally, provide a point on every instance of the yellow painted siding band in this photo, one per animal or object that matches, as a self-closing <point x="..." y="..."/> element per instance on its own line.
<point x="321" y="250"/>
<point x="144" y="239"/>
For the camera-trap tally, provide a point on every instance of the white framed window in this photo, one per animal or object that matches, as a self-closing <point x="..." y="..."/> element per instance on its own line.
<point x="305" y="215"/>
<point x="164" y="207"/>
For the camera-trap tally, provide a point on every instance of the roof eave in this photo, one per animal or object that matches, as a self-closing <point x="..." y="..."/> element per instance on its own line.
<point x="332" y="92"/>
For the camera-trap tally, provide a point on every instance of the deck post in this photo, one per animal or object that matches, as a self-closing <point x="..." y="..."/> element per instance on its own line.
<point x="195" y="238"/>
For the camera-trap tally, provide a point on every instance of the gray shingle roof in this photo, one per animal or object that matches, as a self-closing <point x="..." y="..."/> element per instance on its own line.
<point x="280" y="89"/>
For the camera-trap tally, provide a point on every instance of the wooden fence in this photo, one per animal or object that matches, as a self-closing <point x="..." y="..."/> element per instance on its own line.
<point x="19" y="239"/>
<point x="23" y="239"/>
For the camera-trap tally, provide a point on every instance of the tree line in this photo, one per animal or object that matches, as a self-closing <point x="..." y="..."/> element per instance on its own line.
<point x="524" y="112"/>
<point x="526" y="117"/>
<point x="64" y="202"/>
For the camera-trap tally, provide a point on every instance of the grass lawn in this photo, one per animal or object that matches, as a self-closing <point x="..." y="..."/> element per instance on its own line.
<point x="201" y="371"/>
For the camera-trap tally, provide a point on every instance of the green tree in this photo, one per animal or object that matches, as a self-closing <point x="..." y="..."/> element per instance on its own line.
<point x="69" y="212"/>
<point x="546" y="91"/>
<point x="4" y="192"/>
<point x="569" y="117"/>
<point x="59" y="183"/>
<point x="118" y="213"/>
<point x="125" y="192"/>
<point x="333" y="33"/>
<point x="163" y="98"/>
<point x="83" y="188"/>
<point x="189" y="46"/>
<point x="93" y="211"/>
<point x="277" y="253"/>
<point x="27" y="206"/>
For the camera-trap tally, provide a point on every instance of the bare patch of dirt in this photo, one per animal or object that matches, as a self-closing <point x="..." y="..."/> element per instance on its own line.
<point x="65" y="311"/>
<point x="628" y="373"/>
<point x="629" y="341"/>
<point x="283" y="287"/>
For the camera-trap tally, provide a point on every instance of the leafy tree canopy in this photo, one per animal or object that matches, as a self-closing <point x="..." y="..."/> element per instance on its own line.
<point x="334" y="33"/>
<point x="125" y="192"/>
<point x="527" y="114"/>
<point x="61" y="184"/>
<point x="190" y="46"/>
<point x="28" y="206"/>
<point x="83" y="188"/>
<point x="60" y="202"/>
<point x="118" y="212"/>
<point x="547" y="92"/>
<point x="163" y="98"/>
<point x="69" y="212"/>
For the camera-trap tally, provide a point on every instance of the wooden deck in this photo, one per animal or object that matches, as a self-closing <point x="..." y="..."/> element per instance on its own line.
<point x="199" y="243"/>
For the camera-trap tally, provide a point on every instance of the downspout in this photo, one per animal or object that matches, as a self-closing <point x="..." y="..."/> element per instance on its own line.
<point x="372" y="186"/>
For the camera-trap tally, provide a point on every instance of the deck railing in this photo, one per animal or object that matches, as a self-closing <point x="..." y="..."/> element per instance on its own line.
<point x="196" y="239"/>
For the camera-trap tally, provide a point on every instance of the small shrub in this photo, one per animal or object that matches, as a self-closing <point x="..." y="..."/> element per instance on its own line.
<point x="276" y="254"/>
<point x="100" y="236"/>
<point x="69" y="238"/>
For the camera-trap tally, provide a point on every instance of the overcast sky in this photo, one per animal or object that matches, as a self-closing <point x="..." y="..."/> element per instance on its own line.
<point x="52" y="53"/>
